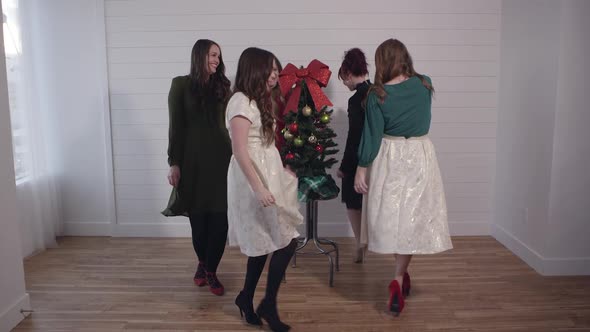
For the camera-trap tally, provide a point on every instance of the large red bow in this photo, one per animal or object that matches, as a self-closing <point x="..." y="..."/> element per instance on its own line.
<point x="316" y="76"/>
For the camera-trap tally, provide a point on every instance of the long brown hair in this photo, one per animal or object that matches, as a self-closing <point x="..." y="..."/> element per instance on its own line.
<point x="216" y="84"/>
<point x="392" y="59"/>
<point x="276" y="96"/>
<point x="254" y="68"/>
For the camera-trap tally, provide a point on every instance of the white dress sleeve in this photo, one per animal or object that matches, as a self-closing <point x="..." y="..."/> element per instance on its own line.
<point x="240" y="105"/>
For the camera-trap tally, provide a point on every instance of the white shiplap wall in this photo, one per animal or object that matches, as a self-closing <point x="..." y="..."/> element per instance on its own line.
<point x="456" y="42"/>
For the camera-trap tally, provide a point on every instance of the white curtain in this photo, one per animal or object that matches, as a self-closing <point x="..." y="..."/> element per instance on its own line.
<point x="37" y="181"/>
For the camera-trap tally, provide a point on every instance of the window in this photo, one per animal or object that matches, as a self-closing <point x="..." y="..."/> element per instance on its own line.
<point x="13" y="51"/>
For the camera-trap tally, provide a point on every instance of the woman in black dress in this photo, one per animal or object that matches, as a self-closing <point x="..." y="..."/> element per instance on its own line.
<point x="354" y="75"/>
<point x="199" y="151"/>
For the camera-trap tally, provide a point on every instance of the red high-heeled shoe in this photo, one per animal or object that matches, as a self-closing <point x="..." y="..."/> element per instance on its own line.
<point x="396" y="299"/>
<point x="406" y="285"/>
<point x="215" y="285"/>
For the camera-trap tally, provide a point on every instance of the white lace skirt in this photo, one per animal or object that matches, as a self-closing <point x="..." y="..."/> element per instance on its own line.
<point x="404" y="211"/>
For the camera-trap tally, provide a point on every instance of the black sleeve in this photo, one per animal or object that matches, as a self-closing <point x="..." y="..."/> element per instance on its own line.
<point x="176" y="130"/>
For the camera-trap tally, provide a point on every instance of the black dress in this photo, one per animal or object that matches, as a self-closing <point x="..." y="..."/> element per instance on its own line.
<point x="356" y="119"/>
<point x="199" y="144"/>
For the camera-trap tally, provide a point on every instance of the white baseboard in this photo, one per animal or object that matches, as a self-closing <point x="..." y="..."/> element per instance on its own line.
<point x="327" y="229"/>
<point x="544" y="266"/>
<point x="152" y="230"/>
<point x="184" y="230"/>
<point x="13" y="315"/>
<point x="469" y="228"/>
<point x="519" y="248"/>
<point x="567" y="266"/>
<point x="87" y="229"/>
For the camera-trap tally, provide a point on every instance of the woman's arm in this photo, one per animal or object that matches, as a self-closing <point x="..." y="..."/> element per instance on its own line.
<point x="372" y="134"/>
<point x="373" y="130"/>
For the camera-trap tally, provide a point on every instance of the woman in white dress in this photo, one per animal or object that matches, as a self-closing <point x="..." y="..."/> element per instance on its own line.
<point x="263" y="211"/>
<point x="404" y="209"/>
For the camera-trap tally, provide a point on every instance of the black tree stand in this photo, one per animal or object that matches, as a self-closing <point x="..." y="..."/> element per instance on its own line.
<point x="311" y="234"/>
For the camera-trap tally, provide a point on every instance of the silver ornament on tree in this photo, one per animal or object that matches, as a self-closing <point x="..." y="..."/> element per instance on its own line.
<point x="312" y="139"/>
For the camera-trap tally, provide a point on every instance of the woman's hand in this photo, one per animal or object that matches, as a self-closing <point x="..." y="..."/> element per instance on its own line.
<point x="360" y="180"/>
<point x="265" y="197"/>
<point x="174" y="175"/>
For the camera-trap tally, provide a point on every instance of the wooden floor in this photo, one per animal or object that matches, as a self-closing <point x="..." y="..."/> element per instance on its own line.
<point x="140" y="284"/>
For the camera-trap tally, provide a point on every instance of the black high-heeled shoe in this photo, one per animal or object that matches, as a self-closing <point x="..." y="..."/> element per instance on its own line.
<point x="267" y="310"/>
<point x="246" y="307"/>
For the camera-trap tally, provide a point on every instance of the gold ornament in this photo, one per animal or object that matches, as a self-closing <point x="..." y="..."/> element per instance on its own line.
<point x="306" y="110"/>
<point x="325" y="118"/>
<point x="288" y="136"/>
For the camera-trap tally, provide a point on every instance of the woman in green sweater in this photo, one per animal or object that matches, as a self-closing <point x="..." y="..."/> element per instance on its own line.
<point x="404" y="209"/>
<point x="199" y="151"/>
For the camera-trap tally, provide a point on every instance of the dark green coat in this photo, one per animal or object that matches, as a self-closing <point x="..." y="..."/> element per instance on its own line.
<point x="199" y="144"/>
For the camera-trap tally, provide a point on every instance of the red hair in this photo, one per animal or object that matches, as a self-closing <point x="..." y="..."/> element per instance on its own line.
<point x="354" y="63"/>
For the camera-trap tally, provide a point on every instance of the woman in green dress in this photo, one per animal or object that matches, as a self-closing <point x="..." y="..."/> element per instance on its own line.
<point x="404" y="207"/>
<point x="199" y="151"/>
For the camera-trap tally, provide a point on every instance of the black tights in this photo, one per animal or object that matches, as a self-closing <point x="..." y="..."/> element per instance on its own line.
<point x="276" y="271"/>
<point x="209" y="230"/>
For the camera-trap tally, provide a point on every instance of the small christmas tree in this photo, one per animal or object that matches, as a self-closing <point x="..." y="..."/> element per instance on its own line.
<point x="309" y="147"/>
<point x="308" y="138"/>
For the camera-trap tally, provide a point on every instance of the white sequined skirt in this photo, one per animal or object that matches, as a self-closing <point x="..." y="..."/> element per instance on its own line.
<point x="404" y="211"/>
<point x="259" y="230"/>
